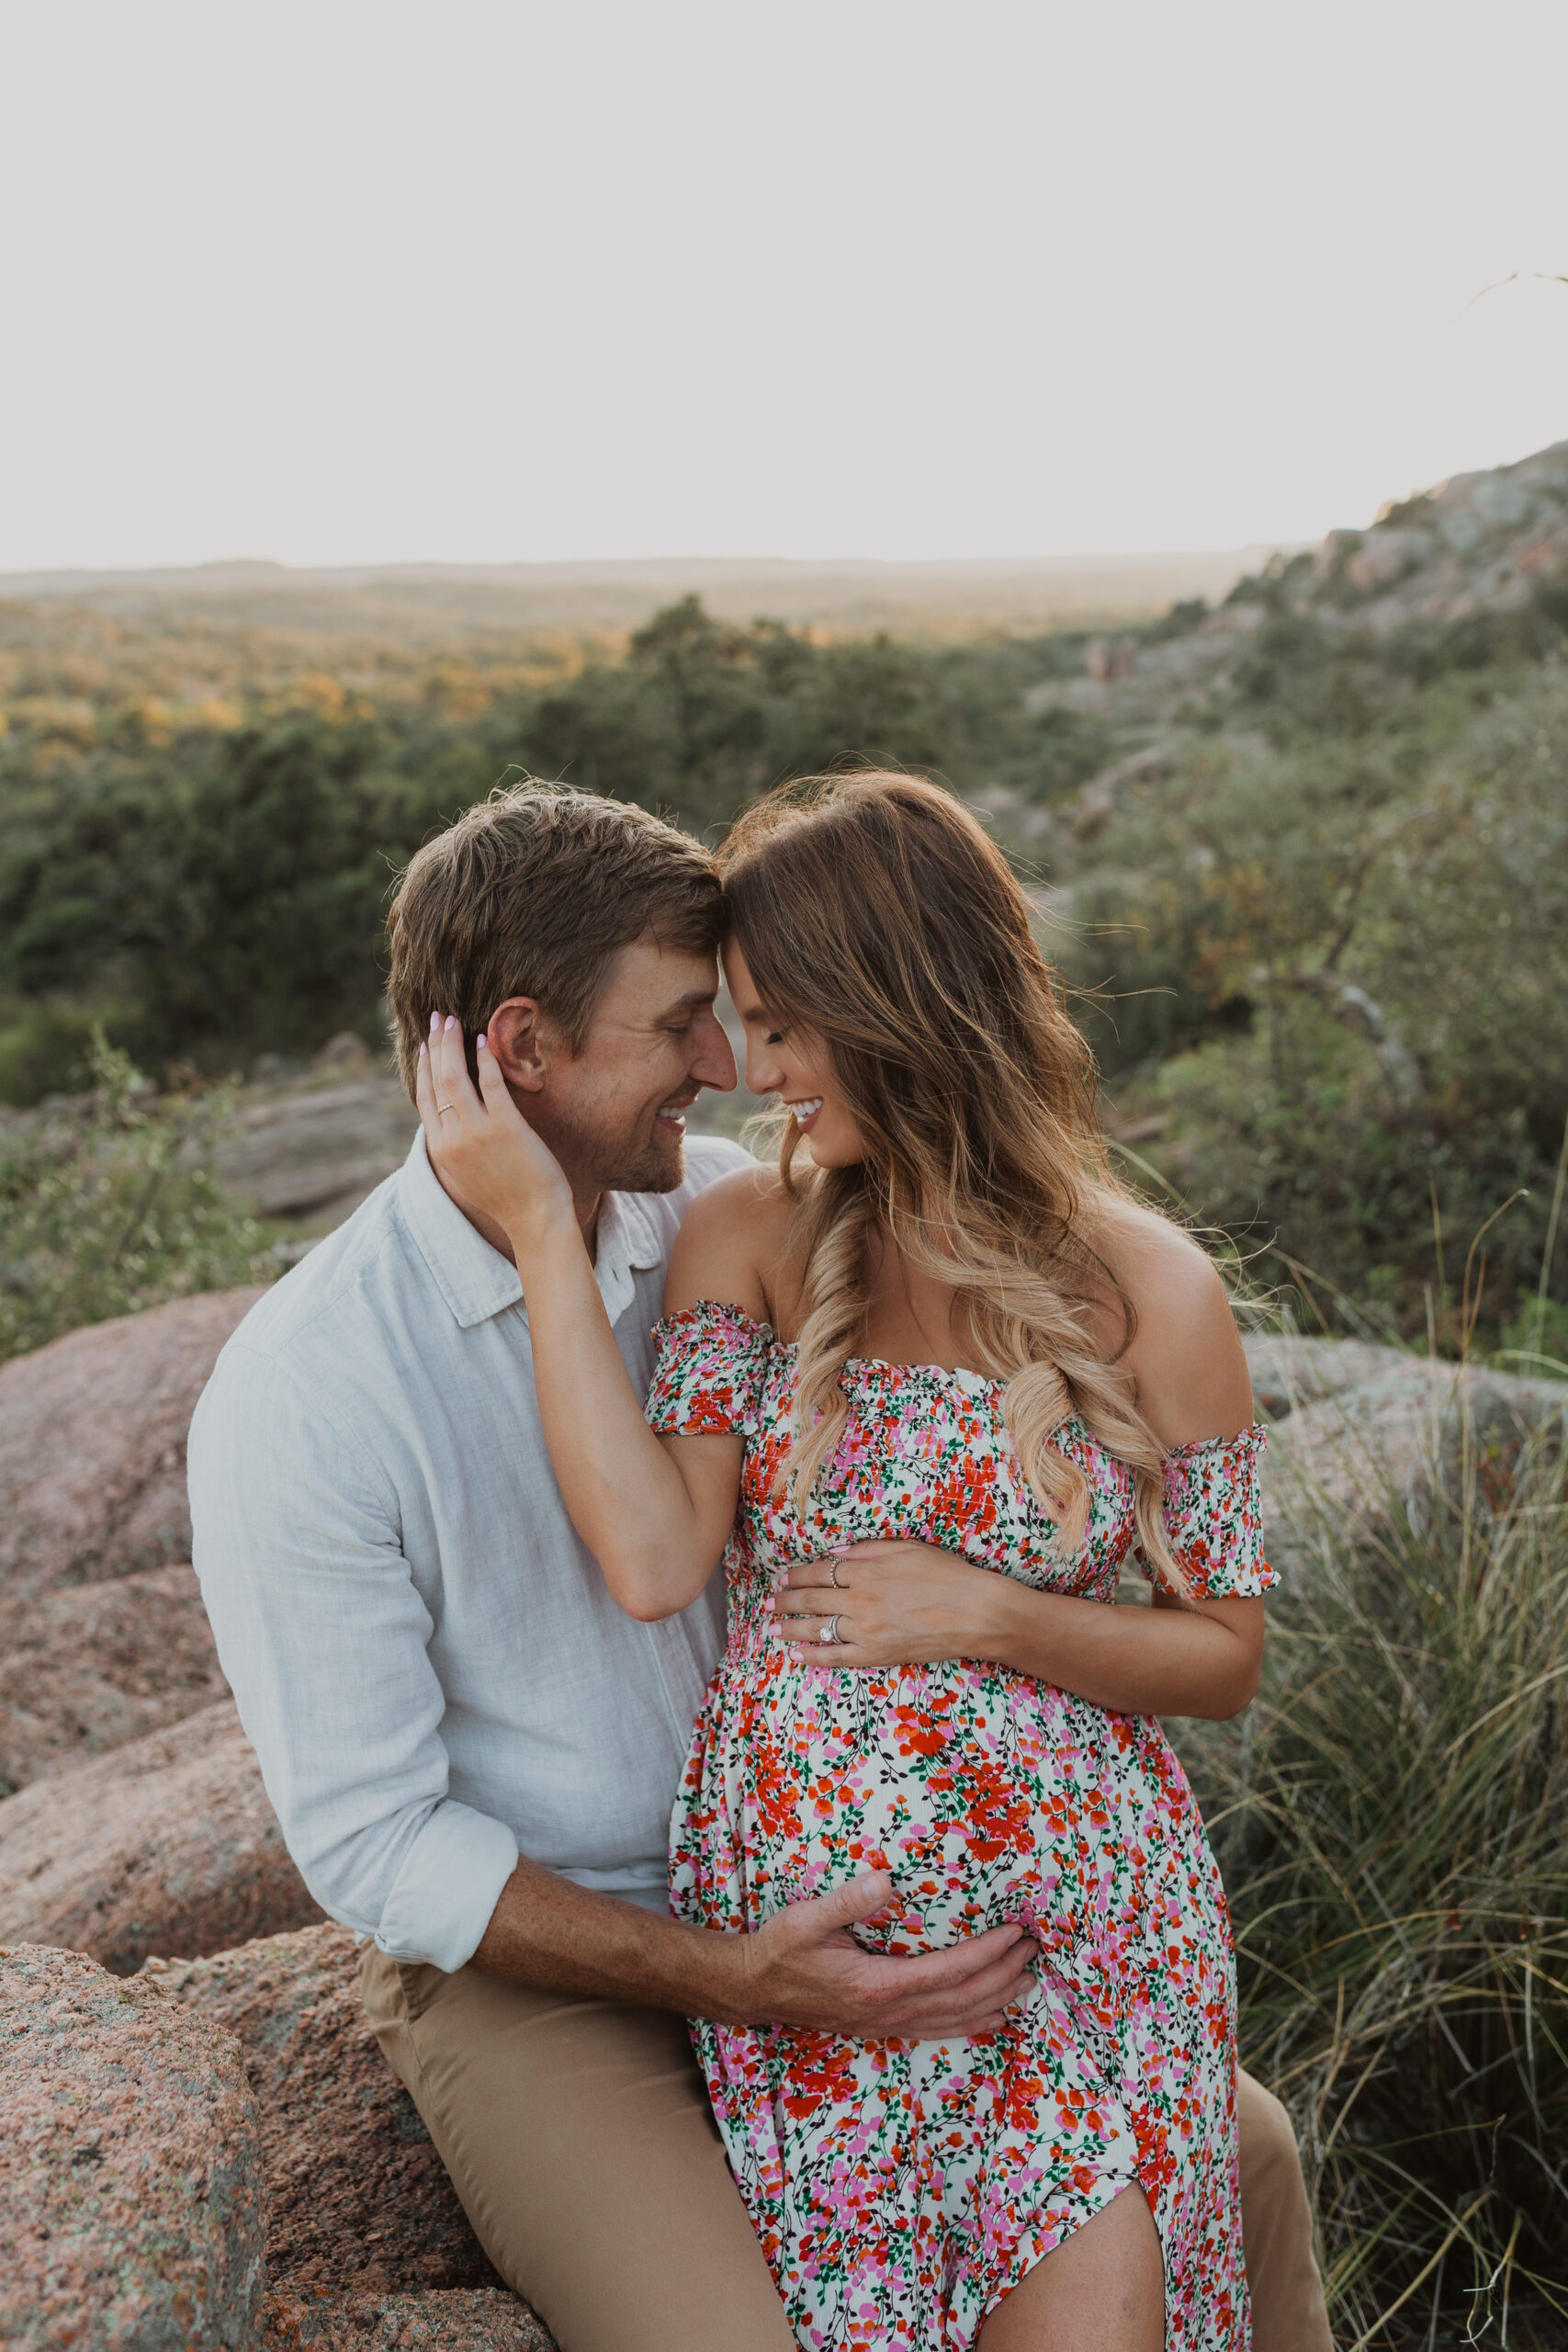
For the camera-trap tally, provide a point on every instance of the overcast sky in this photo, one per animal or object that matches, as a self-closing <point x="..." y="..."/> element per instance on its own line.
<point x="489" y="281"/>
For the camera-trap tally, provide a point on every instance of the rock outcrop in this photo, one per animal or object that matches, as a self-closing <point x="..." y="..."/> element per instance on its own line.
<point x="1372" y="1430"/>
<point x="130" y="2169"/>
<point x="314" y="1147"/>
<point x="167" y="1845"/>
<point x="93" y="1444"/>
<point x="91" y="1666"/>
<point x="1288" y="1372"/>
<point x="470" y="2320"/>
<point x="356" y="2198"/>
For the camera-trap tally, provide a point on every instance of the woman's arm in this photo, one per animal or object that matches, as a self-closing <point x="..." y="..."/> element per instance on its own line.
<point x="901" y="1603"/>
<point x="655" y="1513"/>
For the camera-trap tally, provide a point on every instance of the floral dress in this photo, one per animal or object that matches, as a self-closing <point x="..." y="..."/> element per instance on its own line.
<point x="901" y="2188"/>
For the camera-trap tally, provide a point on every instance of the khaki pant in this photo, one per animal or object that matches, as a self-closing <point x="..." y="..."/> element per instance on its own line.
<point x="578" y="2136"/>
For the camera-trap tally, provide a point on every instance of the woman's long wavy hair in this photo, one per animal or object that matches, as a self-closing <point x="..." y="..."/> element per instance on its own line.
<point x="872" y="911"/>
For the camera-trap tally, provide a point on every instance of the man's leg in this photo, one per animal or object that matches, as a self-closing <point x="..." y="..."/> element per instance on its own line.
<point x="1288" y="2311"/>
<point x="578" y="2135"/>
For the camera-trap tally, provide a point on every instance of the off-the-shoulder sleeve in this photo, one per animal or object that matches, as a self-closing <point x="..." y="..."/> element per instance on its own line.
<point x="708" y="1372"/>
<point x="1214" y="1517"/>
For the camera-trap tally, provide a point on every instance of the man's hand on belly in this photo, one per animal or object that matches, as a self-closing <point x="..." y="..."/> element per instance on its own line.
<point x="808" y="1970"/>
<point x="803" y="1968"/>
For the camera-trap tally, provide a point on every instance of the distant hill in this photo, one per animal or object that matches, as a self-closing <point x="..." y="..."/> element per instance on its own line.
<point x="1443" y="579"/>
<point x="1478" y="543"/>
<point x="431" y="602"/>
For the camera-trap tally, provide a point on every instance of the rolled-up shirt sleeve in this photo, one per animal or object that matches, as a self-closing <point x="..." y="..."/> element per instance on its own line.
<point x="323" y="1636"/>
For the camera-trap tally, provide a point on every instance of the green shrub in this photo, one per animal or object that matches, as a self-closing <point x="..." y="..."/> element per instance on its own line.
<point x="1389" y="1817"/>
<point x="109" y="1203"/>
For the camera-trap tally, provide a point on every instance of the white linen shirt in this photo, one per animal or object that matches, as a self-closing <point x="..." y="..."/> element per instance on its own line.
<point x="425" y="1658"/>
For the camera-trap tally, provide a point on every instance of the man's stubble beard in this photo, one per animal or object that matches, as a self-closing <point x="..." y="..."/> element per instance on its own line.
<point x="600" y="1162"/>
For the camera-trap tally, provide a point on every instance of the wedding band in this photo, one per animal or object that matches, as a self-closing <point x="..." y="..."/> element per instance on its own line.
<point x="828" y="1630"/>
<point x="833" y="1575"/>
<point x="442" y="1108"/>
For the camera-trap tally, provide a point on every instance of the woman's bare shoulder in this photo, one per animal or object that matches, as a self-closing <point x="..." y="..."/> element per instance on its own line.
<point x="1186" y="1352"/>
<point x="734" y="1233"/>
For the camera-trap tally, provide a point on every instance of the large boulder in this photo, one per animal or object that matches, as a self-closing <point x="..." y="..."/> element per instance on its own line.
<point x="93" y="1444"/>
<point x="358" y="2202"/>
<point x="166" y="1845"/>
<point x="1404" y="1436"/>
<point x="1288" y="1371"/>
<point x="90" y="1667"/>
<point x="131" y="2178"/>
<point x="316" y="1146"/>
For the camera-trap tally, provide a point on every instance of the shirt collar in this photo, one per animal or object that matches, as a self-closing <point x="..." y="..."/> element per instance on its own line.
<point x="476" y="1281"/>
<point x="628" y="1242"/>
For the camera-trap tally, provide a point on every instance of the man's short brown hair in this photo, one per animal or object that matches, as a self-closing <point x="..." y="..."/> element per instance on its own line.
<point x="532" y="893"/>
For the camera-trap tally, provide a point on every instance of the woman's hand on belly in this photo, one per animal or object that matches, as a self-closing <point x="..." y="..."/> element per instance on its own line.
<point x="904" y="1604"/>
<point x="897" y="1604"/>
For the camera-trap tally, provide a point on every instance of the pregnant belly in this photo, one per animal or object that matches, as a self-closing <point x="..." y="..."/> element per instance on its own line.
<point x="988" y="1796"/>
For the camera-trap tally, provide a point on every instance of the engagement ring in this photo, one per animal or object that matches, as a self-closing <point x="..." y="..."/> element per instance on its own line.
<point x="828" y="1630"/>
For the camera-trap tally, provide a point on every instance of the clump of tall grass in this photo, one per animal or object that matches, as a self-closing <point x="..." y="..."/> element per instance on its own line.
<point x="110" y="1203"/>
<point x="1392" y="1820"/>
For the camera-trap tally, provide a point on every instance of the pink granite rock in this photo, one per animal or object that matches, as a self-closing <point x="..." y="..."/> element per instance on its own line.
<point x="1288" y="1371"/>
<point x="458" y="2319"/>
<point x="358" y="2202"/>
<point x="93" y="1444"/>
<point x="1408" y="1438"/>
<point x="90" y="1667"/>
<point x="130" y="2169"/>
<point x="167" y="1845"/>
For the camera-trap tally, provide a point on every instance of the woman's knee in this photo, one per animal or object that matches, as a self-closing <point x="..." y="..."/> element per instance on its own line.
<point x="1102" y="2290"/>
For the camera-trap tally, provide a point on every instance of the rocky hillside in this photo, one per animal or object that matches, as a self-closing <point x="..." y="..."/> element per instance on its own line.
<point x="1477" y="548"/>
<point x="1478" y="543"/>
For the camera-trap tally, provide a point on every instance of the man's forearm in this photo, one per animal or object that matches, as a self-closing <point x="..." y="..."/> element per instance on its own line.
<point x="802" y="1967"/>
<point x="547" y="1931"/>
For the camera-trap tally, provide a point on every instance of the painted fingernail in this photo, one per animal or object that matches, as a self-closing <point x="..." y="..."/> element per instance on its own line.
<point x="482" y="1042"/>
<point x="424" y="1053"/>
<point x="451" y="1022"/>
<point x="434" y="1023"/>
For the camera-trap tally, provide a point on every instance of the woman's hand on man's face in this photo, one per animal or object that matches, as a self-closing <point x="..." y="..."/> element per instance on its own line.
<point x="484" y="1151"/>
<point x="897" y="1604"/>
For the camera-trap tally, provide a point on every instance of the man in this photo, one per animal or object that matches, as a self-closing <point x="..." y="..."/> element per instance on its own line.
<point x="472" y="1751"/>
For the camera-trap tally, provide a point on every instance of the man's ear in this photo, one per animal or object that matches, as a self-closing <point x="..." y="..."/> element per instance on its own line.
<point x="520" y="1043"/>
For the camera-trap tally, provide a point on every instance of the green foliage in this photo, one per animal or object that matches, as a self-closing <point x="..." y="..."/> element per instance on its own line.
<point x="1356" y="1029"/>
<point x="700" y="718"/>
<point x="1388" y="1818"/>
<point x="1323" y="937"/>
<point x="231" y="899"/>
<point x="109" y="1203"/>
<point x="224" y="891"/>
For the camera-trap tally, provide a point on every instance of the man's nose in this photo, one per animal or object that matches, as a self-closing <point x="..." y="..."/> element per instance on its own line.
<point x="715" y="1063"/>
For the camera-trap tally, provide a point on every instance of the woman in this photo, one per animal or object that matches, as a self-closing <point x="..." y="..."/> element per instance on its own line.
<point x="952" y="1347"/>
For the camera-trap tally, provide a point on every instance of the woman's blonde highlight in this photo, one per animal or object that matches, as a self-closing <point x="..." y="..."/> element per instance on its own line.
<point x="872" y="908"/>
